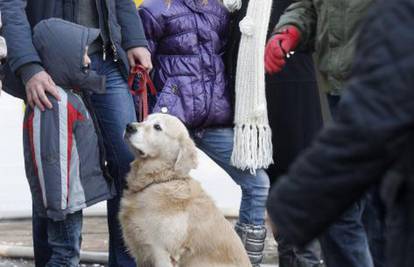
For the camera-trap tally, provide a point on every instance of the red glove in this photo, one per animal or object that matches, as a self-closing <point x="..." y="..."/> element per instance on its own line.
<point x="278" y="47"/>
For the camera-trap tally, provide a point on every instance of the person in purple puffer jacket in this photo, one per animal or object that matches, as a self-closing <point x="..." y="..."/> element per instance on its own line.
<point x="187" y="40"/>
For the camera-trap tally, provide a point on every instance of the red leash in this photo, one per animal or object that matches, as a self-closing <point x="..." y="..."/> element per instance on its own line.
<point x="140" y="90"/>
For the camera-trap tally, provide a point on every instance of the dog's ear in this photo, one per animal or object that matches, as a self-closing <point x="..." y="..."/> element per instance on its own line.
<point x="187" y="158"/>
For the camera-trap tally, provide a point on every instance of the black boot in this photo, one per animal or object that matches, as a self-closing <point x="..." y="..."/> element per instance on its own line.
<point x="253" y="238"/>
<point x="292" y="256"/>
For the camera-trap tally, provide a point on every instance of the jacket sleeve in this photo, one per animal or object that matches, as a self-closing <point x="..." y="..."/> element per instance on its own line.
<point x="375" y="120"/>
<point x="131" y="25"/>
<point x="301" y="14"/>
<point x="18" y="34"/>
<point x="153" y="29"/>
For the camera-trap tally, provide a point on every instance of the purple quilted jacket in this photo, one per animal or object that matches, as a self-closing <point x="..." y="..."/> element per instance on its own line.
<point x="187" y="41"/>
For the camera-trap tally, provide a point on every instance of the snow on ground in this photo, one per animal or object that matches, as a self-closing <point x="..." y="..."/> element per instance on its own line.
<point x="14" y="191"/>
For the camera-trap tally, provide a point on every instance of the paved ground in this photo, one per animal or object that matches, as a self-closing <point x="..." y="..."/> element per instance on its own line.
<point x="24" y="263"/>
<point x="95" y="238"/>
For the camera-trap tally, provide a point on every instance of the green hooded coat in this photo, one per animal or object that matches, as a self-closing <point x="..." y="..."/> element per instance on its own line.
<point x="330" y="27"/>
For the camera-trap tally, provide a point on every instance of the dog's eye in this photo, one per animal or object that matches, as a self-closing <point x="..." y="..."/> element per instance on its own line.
<point x="157" y="127"/>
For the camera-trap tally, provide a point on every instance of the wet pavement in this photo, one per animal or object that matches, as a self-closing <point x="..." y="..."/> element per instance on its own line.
<point x="95" y="239"/>
<point x="26" y="263"/>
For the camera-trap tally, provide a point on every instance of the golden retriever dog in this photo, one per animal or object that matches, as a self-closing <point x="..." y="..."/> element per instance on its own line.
<point x="167" y="219"/>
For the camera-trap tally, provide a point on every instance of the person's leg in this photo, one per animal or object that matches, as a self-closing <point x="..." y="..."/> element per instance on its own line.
<point x="64" y="238"/>
<point x="295" y="118"/>
<point x="292" y="256"/>
<point x="218" y="145"/>
<point x="374" y="222"/>
<point x="115" y="109"/>
<point x="41" y="248"/>
<point x="345" y="242"/>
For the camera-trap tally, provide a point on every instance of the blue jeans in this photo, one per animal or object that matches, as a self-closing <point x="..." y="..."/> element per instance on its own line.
<point x="57" y="243"/>
<point x="217" y="143"/>
<point x="374" y="222"/>
<point x="114" y="110"/>
<point x="345" y="243"/>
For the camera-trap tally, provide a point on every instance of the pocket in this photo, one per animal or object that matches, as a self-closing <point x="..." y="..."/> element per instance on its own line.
<point x="169" y="100"/>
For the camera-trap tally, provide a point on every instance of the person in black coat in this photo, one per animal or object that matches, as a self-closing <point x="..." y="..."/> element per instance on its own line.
<point x="294" y="116"/>
<point x="371" y="142"/>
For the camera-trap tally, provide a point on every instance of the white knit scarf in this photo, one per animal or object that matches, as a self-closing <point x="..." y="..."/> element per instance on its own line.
<point x="252" y="134"/>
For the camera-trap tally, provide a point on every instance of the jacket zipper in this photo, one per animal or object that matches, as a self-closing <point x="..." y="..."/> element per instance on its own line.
<point x="115" y="52"/>
<point x="104" y="52"/>
<point x="112" y="44"/>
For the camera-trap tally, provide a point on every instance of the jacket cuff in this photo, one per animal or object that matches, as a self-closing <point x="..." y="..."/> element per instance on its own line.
<point x="27" y="71"/>
<point x="135" y="43"/>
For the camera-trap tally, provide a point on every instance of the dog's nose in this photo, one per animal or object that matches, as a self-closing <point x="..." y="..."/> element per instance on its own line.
<point x="130" y="128"/>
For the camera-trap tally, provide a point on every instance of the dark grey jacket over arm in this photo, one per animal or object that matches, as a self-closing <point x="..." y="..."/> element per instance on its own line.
<point x="374" y="129"/>
<point x="132" y="30"/>
<point x="18" y="34"/>
<point x="20" y="16"/>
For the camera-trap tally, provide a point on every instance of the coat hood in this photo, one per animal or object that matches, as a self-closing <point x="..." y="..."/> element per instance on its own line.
<point x="61" y="46"/>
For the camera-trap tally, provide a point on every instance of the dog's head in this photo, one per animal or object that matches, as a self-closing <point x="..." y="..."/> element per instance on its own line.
<point x="162" y="138"/>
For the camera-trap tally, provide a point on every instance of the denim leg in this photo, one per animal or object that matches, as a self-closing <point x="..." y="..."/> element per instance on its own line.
<point x="64" y="238"/>
<point x="115" y="109"/>
<point x="41" y="247"/>
<point x="374" y="222"/>
<point x="345" y="242"/>
<point x="217" y="143"/>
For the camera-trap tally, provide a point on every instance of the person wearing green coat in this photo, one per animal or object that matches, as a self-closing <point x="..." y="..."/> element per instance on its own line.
<point x="330" y="28"/>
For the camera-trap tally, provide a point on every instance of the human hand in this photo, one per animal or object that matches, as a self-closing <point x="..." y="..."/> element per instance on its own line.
<point x="37" y="88"/>
<point x="140" y="55"/>
<point x="280" y="47"/>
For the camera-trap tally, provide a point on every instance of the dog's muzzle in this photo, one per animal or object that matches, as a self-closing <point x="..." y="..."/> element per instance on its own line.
<point x="130" y="129"/>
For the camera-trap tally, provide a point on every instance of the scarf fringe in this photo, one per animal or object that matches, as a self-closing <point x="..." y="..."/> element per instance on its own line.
<point x="252" y="148"/>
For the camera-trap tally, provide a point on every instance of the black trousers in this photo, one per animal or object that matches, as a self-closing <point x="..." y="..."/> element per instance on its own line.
<point x="295" y="118"/>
